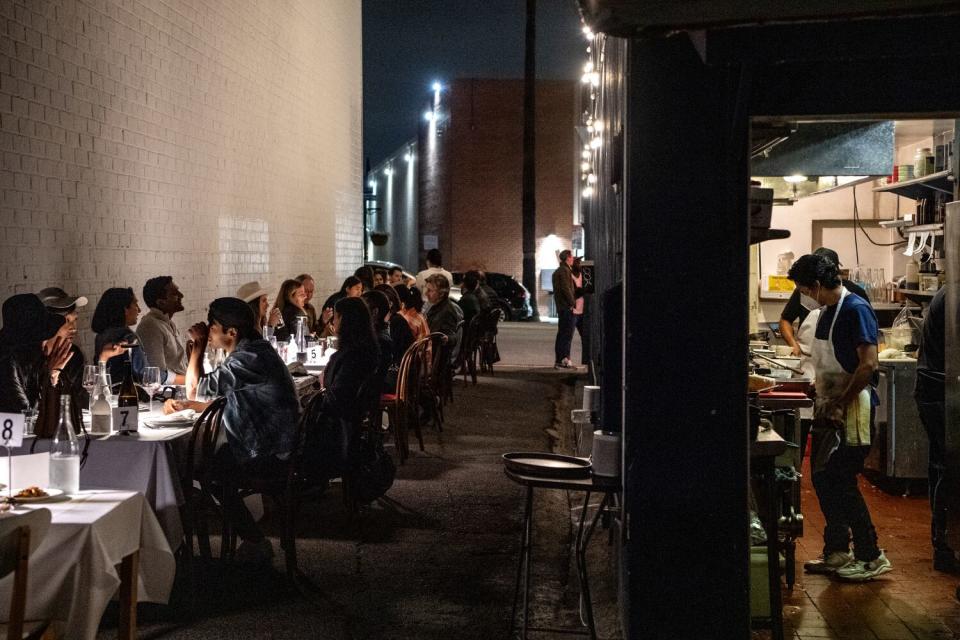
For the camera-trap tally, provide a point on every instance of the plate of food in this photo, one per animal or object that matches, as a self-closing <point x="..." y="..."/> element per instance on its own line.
<point x="36" y="494"/>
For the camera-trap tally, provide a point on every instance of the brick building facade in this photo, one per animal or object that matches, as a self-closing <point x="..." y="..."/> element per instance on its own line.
<point x="218" y="143"/>
<point x="470" y="174"/>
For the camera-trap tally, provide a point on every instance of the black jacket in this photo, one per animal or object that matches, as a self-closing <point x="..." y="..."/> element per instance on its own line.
<point x="22" y="378"/>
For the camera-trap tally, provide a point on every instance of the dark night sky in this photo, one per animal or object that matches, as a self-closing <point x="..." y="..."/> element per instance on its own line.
<point x="407" y="44"/>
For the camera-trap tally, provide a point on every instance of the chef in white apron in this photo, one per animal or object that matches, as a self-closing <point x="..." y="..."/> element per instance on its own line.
<point x="831" y="381"/>
<point x="842" y="421"/>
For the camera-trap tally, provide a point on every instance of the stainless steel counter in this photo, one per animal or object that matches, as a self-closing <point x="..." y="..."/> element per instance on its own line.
<point x="900" y="444"/>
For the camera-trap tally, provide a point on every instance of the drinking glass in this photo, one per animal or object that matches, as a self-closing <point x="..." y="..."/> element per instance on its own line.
<point x="90" y="381"/>
<point x="29" y="420"/>
<point x="151" y="382"/>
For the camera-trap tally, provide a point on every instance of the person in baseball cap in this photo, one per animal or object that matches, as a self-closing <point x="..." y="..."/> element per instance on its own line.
<point x="794" y="311"/>
<point x="59" y="301"/>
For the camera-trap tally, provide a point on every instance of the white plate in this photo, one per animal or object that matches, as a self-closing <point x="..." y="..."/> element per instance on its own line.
<point x="51" y="493"/>
<point x="167" y="424"/>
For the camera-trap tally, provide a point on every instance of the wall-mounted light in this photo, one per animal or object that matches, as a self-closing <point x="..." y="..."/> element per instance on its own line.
<point x="428" y="116"/>
<point x="372" y="184"/>
<point x="408" y="157"/>
<point x="388" y="171"/>
<point x="437" y="87"/>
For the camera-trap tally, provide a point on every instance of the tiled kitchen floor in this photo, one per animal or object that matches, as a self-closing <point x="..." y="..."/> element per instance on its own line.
<point x="912" y="602"/>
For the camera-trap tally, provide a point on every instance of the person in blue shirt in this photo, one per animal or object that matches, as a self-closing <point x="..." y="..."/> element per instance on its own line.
<point x="844" y="355"/>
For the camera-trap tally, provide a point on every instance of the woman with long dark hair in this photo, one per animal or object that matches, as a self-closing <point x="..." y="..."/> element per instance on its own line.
<point x="290" y="301"/>
<point x="117" y="311"/>
<point x="379" y="306"/>
<point x="401" y="335"/>
<point x="351" y="369"/>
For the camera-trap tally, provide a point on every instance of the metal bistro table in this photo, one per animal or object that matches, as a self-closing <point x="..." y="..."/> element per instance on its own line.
<point x="610" y="487"/>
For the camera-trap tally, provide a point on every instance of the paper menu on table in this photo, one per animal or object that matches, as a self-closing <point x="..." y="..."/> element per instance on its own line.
<point x="29" y="470"/>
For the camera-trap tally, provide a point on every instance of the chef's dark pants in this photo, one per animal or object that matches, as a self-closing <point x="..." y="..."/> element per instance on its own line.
<point x="843" y="506"/>
<point x="565" y="327"/>
<point x="933" y="416"/>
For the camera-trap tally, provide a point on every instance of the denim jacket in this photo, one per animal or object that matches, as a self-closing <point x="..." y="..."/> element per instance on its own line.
<point x="260" y="417"/>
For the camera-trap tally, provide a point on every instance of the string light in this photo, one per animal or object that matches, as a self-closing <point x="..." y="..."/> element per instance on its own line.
<point x="595" y="128"/>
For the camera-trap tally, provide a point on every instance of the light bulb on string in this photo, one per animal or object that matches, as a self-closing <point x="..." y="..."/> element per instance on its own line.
<point x="587" y="192"/>
<point x="585" y="166"/>
<point x="591" y="179"/>
<point x="585" y="154"/>
<point x="596" y="142"/>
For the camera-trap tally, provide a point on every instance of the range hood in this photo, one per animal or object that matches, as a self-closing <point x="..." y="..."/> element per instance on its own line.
<point x="801" y="159"/>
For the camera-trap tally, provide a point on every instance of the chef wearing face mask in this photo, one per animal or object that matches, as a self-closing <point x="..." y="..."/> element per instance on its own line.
<point x="843" y="351"/>
<point x="798" y="308"/>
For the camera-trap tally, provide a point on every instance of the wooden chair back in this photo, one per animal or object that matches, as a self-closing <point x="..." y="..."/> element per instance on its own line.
<point x="20" y="535"/>
<point x="203" y="441"/>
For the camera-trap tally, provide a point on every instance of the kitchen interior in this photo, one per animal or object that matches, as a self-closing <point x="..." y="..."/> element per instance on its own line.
<point x="877" y="193"/>
<point x="881" y="194"/>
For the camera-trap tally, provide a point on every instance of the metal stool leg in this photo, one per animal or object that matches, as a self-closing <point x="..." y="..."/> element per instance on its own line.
<point x="523" y="566"/>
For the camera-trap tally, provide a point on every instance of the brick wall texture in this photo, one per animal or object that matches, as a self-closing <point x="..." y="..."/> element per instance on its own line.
<point x="217" y="142"/>
<point x="476" y="206"/>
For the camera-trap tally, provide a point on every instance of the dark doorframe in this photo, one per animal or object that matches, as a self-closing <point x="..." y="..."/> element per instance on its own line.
<point x="689" y="104"/>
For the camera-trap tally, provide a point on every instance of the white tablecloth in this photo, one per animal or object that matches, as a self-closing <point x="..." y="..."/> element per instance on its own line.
<point x="73" y="574"/>
<point x="146" y="462"/>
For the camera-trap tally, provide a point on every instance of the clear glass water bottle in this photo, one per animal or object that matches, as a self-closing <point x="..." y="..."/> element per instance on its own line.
<point x="65" y="453"/>
<point x="301" y="338"/>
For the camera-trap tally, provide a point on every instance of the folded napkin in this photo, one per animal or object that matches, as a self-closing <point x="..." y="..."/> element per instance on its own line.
<point x="178" y="419"/>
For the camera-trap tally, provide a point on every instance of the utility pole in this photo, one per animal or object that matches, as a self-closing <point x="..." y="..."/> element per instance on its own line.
<point x="530" y="159"/>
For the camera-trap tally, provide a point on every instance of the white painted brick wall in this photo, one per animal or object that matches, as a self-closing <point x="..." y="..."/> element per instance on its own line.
<point x="217" y="141"/>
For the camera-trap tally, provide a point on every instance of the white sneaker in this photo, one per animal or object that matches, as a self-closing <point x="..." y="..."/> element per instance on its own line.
<point x="255" y="553"/>
<point x="829" y="565"/>
<point x="860" y="571"/>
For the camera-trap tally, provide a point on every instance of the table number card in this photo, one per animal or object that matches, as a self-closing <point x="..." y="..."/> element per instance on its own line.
<point x="11" y="429"/>
<point x="315" y="356"/>
<point x="125" y="419"/>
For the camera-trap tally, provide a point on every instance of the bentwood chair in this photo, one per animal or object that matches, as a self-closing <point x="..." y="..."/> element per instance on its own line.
<point x="284" y="484"/>
<point x="198" y="484"/>
<point x="20" y="535"/>
<point x="489" y="354"/>
<point x="402" y="407"/>
<point x="469" y="345"/>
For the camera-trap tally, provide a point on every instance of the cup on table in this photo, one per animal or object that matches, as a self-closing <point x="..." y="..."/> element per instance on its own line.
<point x="29" y="421"/>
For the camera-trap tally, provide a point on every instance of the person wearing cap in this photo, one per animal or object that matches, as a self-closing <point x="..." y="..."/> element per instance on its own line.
<point x="796" y="310"/>
<point x="261" y="412"/>
<point x="159" y="336"/>
<point x="257" y="297"/>
<point x="58" y="301"/>
<point x="28" y="369"/>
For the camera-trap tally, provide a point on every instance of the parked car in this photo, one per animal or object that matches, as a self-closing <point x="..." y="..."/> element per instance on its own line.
<point x="512" y="297"/>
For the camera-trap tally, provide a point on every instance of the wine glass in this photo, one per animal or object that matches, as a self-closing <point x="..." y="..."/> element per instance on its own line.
<point x="90" y="382"/>
<point x="151" y="382"/>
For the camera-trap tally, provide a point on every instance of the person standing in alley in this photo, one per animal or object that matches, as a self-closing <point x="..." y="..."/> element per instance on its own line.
<point x="563" y="298"/>
<point x="844" y="355"/>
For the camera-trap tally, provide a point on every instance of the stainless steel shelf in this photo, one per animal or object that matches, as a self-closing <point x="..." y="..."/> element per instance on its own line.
<point x="920" y="187"/>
